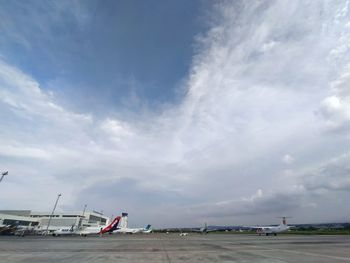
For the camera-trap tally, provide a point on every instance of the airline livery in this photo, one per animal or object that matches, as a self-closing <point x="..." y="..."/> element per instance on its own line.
<point x="273" y="230"/>
<point x="125" y="230"/>
<point x="88" y="230"/>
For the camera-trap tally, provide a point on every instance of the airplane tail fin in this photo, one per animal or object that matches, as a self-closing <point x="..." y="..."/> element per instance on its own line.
<point x="72" y="228"/>
<point x="284" y="220"/>
<point x="124" y="220"/>
<point x="112" y="226"/>
<point x="148" y="227"/>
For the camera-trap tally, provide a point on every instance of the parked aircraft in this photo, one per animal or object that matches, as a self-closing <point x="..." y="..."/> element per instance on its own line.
<point x="15" y="228"/>
<point x="66" y="231"/>
<point x="24" y="230"/>
<point x="88" y="230"/>
<point x="267" y="230"/>
<point x="123" y="229"/>
<point x="98" y="230"/>
<point x="147" y="229"/>
<point x="204" y="230"/>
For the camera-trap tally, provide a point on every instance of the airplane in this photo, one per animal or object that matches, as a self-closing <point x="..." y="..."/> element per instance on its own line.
<point x="24" y="230"/>
<point x="66" y="231"/>
<point x="15" y="229"/>
<point x="99" y="230"/>
<point x="267" y="230"/>
<point x="143" y="230"/>
<point x="123" y="229"/>
<point x="88" y="230"/>
<point x="147" y="229"/>
<point x="204" y="230"/>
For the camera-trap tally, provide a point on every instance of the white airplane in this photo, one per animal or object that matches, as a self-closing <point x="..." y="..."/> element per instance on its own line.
<point x="15" y="229"/>
<point x="147" y="229"/>
<point x="99" y="230"/>
<point x="123" y="229"/>
<point x="273" y="230"/>
<point x="65" y="231"/>
<point x="88" y="230"/>
<point x="204" y="230"/>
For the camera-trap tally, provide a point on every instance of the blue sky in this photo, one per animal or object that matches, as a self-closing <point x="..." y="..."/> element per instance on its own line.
<point x="219" y="112"/>
<point x="104" y="53"/>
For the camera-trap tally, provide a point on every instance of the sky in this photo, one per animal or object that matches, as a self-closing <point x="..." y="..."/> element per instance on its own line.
<point x="178" y="112"/>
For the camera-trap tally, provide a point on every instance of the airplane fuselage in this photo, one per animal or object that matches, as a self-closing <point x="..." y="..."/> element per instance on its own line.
<point x="128" y="230"/>
<point x="272" y="229"/>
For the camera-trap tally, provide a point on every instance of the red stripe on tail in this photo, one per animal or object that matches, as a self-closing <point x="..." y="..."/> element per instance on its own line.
<point x="111" y="225"/>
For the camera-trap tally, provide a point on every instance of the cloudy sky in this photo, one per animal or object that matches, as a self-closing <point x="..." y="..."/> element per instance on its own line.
<point x="179" y="112"/>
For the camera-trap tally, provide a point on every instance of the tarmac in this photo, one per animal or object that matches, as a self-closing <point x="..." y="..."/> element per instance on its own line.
<point x="173" y="248"/>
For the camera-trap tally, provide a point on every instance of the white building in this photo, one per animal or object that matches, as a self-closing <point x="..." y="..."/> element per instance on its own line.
<point x="40" y="220"/>
<point x="20" y="218"/>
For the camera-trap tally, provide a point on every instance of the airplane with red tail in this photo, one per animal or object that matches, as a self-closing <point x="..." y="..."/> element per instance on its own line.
<point x="89" y="230"/>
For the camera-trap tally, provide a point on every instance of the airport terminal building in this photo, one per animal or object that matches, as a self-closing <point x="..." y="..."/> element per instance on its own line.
<point x="40" y="220"/>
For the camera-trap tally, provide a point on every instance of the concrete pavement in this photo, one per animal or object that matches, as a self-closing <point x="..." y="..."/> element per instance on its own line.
<point x="173" y="248"/>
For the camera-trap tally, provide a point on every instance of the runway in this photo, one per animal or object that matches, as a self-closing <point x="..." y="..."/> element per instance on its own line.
<point x="173" y="248"/>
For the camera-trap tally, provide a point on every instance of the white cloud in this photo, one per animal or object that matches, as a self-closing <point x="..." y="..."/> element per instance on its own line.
<point x="268" y="46"/>
<point x="116" y="129"/>
<point x="288" y="159"/>
<point x="273" y="203"/>
<point x="332" y="175"/>
<point x="257" y="80"/>
<point x="9" y="150"/>
<point x="24" y="95"/>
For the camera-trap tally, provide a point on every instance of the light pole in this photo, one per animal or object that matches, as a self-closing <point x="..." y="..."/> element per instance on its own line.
<point x="3" y="175"/>
<point x="82" y="217"/>
<point x="53" y="211"/>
